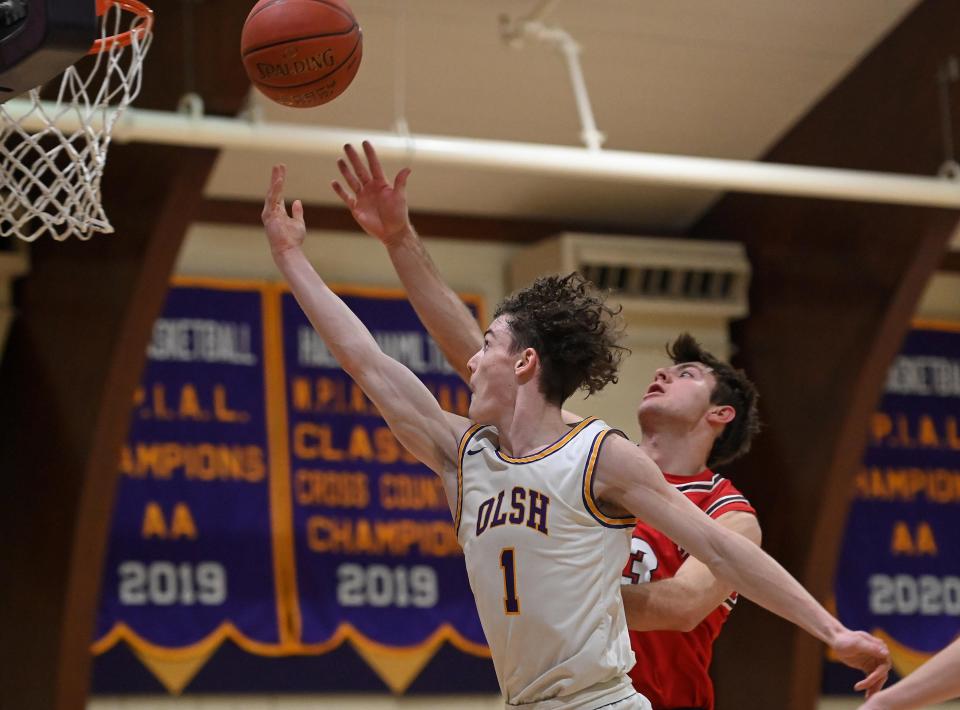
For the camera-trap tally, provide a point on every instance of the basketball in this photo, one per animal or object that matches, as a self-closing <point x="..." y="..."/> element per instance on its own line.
<point x="301" y="53"/>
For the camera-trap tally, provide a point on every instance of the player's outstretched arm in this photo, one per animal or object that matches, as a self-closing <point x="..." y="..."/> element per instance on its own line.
<point x="412" y="413"/>
<point x="628" y="479"/>
<point x="381" y="210"/>
<point x="935" y="681"/>
<point x="684" y="600"/>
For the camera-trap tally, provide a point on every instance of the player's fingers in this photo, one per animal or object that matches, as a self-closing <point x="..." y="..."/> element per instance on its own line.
<point x="359" y="168"/>
<point x="400" y="182"/>
<point x="275" y="191"/>
<point x="874" y="680"/>
<point x="298" y="210"/>
<point x="342" y="194"/>
<point x="873" y="690"/>
<point x="868" y="690"/>
<point x="348" y="176"/>
<point x="375" y="167"/>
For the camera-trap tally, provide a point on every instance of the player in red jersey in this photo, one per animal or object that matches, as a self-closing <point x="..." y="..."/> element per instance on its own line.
<point x="696" y="415"/>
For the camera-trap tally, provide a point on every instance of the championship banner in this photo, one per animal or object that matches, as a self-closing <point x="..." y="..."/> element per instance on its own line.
<point x="376" y="556"/>
<point x="190" y="560"/>
<point x="263" y="501"/>
<point x="899" y="570"/>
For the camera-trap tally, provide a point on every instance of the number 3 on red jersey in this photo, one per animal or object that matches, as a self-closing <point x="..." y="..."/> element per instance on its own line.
<point x="642" y="563"/>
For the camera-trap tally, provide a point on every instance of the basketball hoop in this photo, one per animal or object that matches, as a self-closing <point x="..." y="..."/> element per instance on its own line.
<point x="50" y="179"/>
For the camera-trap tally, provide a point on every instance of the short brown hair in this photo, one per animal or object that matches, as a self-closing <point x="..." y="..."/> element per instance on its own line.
<point x="733" y="388"/>
<point x="575" y="333"/>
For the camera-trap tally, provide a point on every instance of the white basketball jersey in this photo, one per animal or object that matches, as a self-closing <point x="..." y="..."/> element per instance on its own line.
<point x="544" y="563"/>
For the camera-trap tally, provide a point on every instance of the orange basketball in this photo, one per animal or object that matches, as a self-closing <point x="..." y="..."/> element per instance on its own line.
<point x="301" y="53"/>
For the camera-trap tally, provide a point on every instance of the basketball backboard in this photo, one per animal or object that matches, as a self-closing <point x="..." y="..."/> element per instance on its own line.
<point x="41" y="38"/>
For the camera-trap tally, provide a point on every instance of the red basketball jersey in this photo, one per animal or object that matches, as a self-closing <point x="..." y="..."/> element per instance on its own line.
<point x="672" y="667"/>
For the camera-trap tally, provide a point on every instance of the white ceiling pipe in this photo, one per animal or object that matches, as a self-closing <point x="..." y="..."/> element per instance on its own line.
<point x="644" y="168"/>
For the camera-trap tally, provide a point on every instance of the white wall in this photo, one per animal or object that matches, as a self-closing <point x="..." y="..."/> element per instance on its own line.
<point x="941" y="300"/>
<point x="241" y="252"/>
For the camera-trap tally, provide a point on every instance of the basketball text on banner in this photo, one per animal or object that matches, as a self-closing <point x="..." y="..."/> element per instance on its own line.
<point x="263" y="500"/>
<point x="377" y="557"/>
<point x="899" y="569"/>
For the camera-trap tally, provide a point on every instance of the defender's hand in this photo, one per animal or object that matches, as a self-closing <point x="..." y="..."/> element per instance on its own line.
<point x="869" y="654"/>
<point x="284" y="232"/>
<point x="378" y="207"/>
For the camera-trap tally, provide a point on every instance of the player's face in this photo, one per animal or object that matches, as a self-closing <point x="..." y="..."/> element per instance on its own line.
<point x="492" y="374"/>
<point x="680" y="393"/>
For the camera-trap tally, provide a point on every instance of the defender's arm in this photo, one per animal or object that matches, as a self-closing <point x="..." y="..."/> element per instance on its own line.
<point x="683" y="601"/>
<point x="381" y="210"/>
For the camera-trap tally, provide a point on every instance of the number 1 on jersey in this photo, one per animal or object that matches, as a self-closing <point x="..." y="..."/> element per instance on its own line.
<point x="511" y="605"/>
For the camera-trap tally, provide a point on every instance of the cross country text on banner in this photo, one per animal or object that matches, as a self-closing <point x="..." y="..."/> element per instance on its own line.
<point x="377" y="558"/>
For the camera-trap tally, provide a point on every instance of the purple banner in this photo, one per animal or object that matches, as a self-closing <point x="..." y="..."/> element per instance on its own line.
<point x="264" y="501"/>
<point x="376" y="555"/>
<point x="191" y="550"/>
<point x="899" y="569"/>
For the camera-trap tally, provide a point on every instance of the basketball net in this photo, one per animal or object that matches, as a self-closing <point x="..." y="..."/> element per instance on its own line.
<point x="50" y="175"/>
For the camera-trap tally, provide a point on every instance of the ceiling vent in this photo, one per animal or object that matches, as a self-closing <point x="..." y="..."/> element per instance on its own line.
<point x="654" y="275"/>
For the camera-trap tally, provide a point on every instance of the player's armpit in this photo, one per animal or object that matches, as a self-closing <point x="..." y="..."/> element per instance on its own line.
<point x="627" y="479"/>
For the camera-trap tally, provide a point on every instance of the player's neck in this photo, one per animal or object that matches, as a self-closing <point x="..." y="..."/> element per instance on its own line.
<point x="532" y="425"/>
<point x="677" y="453"/>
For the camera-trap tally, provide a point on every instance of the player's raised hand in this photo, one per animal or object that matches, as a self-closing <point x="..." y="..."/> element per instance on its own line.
<point x="867" y="653"/>
<point x="284" y="231"/>
<point x="378" y="207"/>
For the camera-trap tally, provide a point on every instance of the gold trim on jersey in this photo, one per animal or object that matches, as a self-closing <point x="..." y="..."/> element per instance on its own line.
<point x="592" y="506"/>
<point x="554" y="447"/>
<point x="467" y="435"/>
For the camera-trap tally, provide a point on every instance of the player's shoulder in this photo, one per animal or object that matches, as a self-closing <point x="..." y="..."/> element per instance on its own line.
<point x="593" y="432"/>
<point x="472" y="434"/>
<point x="721" y="497"/>
<point x="613" y="446"/>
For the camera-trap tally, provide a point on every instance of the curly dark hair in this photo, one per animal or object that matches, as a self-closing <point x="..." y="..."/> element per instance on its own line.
<point x="575" y="333"/>
<point x="733" y="388"/>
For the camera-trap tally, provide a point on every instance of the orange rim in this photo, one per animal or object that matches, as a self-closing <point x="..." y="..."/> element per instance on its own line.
<point x="123" y="39"/>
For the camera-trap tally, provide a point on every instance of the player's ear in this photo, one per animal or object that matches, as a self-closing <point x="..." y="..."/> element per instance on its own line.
<point x="526" y="363"/>
<point x="721" y="414"/>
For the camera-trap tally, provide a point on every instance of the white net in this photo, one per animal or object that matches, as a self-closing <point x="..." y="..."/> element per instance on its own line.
<point x="53" y="152"/>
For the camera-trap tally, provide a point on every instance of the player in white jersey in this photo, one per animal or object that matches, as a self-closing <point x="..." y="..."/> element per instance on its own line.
<point x="545" y="342"/>
<point x="548" y="597"/>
